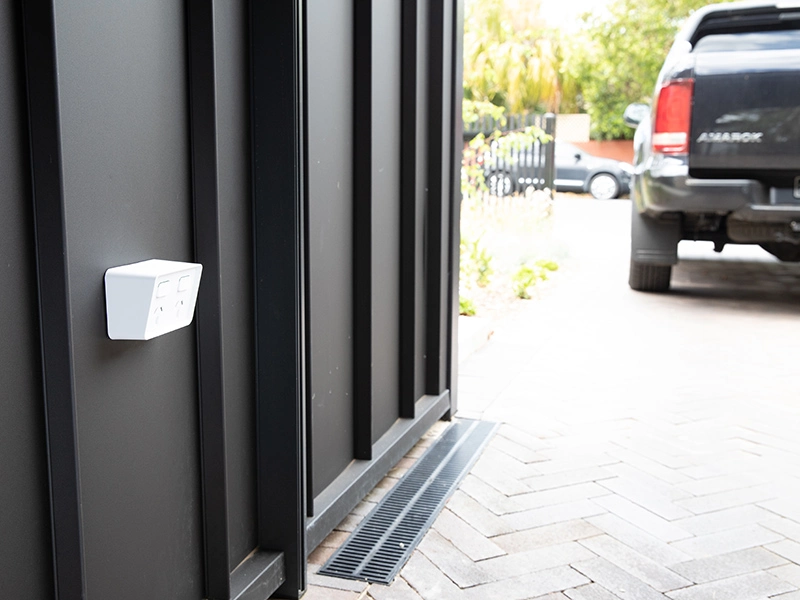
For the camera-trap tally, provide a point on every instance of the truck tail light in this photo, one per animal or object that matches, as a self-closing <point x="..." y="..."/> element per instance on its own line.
<point x="673" y="117"/>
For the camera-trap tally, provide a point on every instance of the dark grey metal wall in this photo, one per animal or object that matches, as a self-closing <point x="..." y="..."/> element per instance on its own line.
<point x="386" y="162"/>
<point x="25" y="556"/>
<point x="236" y="250"/>
<point x="330" y="235"/>
<point x="286" y="146"/>
<point x="381" y="100"/>
<point x="126" y="181"/>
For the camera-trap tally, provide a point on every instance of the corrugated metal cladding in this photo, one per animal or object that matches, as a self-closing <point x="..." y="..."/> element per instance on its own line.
<point x="305" y="152"/>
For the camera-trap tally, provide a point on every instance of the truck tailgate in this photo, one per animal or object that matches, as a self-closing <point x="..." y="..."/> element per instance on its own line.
<point x="746" y="116"/>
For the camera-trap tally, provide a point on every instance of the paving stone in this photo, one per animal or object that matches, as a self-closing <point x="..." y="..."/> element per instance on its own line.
<point x="649" y="466"/>
<point x="727" y="565"/>
<point x="730" y="518"/>
<point x="641" y="541"/>
<point x="503" y="472"/>
<point x="397" y="472"/>
<point x="515" y="450"/>
<point x="582" y="442"/>
<point x="466" y="538"/>
<point x="653" y="574"/>
<point x="727" y="541"/>
<point x="725" y="483"/>
<point x="427" y="580"/>
<point x="564" y="478"/>
<point x="540" y="559"/>
<point x="377" y="494"/>
<point x="335" y="539"/>
<point x="786" y="527"/>
<point x="399" y="590"/>
<point x="452" y="562"/>
<point x="489" y="497"/>
<point x="647" y="497"/>
<point x="387" y="483"/>
<point x="752" y="586"/>
<point x="725" y="464"/>
<point x="655" y="450"/>
<point x="552" y="514"/>
<point x="320" y="555"/>
<point x="560" y="495"/>
<point x="642" y="518"/>
<point x="592" y="591"/>
<point x="337" y="583"/>
<point x="789" y="596"/>
<point x="527" y="586"/>
<point x="723" y="500"/>
<point x="477" y="516"/>
<point x="548" y="535"/>
<point x="790" y="573"/>
<point x="572" y="464"/>
<point x="322" y="593"/>
<point x="522" y="437"/>
<point x="785" y="507"/>
<point x="786" y="548"/>
<point x="617" y="581"/>
<point x="658" y="486"/>
<point x="417" y="451"/>
<point x="553" y="596"/>
<point x="363" y="508"/>
<point x="350" y="522"/>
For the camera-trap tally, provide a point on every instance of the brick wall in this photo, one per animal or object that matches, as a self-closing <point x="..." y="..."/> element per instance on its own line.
<point x="616" y="149"/>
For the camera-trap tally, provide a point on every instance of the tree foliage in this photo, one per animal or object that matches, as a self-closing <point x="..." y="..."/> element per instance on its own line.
<point x="509" y="56"/>
<point x="616" y="56"/>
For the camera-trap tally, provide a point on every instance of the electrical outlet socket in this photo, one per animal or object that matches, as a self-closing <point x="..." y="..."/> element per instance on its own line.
<point x="150" y="298"/>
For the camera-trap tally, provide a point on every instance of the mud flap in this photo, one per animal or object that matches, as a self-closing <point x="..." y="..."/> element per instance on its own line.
<point x="655" y="241"/>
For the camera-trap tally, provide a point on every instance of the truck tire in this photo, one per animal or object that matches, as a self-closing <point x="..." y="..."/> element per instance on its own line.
<point x="783" y="251"/>
<point x="646" y="277"/>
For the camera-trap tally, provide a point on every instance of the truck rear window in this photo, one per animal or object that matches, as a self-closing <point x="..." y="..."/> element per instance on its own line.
<point x="749" y="41"/>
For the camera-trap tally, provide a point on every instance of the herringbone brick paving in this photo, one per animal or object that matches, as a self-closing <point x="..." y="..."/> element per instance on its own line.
<point x="649" y="446"/>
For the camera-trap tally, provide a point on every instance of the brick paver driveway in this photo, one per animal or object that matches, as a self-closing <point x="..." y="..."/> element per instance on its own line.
<point x="650" y="445"/>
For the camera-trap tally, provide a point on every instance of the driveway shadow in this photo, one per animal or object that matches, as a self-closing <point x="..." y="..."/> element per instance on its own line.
<point x="751" y="284"/>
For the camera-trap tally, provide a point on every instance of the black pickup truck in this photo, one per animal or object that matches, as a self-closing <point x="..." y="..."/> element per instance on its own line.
<point x="717" y="154"/>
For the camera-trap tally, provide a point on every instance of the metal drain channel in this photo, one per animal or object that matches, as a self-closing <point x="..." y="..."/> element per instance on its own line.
<point x="383" y="541"/>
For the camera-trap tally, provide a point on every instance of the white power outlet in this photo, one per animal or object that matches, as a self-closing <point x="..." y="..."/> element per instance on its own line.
<point x="150" y="298"/>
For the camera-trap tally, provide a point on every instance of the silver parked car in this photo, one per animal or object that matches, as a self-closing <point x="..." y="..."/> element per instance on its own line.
<point x="576" y="171"/>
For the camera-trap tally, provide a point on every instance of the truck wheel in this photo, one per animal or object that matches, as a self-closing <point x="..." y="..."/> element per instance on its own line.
<point x="646" y="277"/>
<point x="784" y="251"/>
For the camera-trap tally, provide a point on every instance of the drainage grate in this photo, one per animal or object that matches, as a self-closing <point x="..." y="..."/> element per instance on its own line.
<point x="384" y="540"/>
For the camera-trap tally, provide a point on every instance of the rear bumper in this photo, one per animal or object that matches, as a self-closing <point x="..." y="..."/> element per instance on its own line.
<point x="663" y="185"/>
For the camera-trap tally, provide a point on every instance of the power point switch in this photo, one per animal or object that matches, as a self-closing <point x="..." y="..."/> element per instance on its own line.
<point x="141" y="298"/>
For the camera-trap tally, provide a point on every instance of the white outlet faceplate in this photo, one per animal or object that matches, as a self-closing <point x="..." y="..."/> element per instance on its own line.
<point x="150" y="298"/>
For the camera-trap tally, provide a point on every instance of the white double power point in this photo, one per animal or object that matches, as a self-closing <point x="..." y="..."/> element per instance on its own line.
<point x="150" y="298"/>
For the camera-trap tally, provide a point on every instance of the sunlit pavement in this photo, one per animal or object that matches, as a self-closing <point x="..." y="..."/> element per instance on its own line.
<point x="651" y="442"/>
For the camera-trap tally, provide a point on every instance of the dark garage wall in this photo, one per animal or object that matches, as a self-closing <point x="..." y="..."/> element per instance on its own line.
<point x="25" y="571"/>
<point x="236" y="225"/>
<point x="330" y="235"/>
<point x="386" y="60"/>
<point x="290" y="148"/>
<point x="379" y="121"/>
<point x="125" y="144"/>
<point x="421" y="190"/>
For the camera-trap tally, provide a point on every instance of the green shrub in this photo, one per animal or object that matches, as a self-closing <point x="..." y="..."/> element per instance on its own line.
<point x="476" y="263"/>
<point x="531" y="274"/>
<point x="466" y="307"/>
